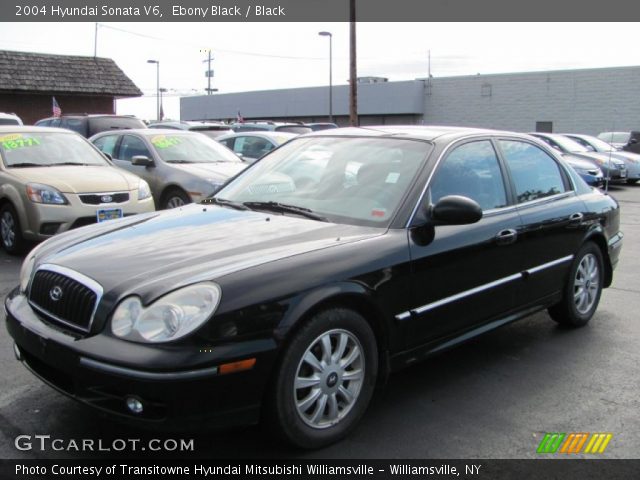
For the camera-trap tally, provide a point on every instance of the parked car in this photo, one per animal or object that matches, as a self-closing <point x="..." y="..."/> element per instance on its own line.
<point x="267" y="125"/>
<point x="289" y="305"/>
<point x="10" y="119"/>
<point x="251" y="146"/>
<point x="617" y="139"/>
<point x="180" y="166"/>
<point x="594" y="144"/>
<point x="612" y="169"/>
<point x="53" y="180"/>
<point x="321" y="126"/>
<point x="210" y="129"/>
<point x="89" y="125"/>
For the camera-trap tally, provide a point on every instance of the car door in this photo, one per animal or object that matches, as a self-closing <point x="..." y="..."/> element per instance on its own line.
<point x="466" y="274"/>
<point x="132" y="145"/>
<point x="553" y="217"/>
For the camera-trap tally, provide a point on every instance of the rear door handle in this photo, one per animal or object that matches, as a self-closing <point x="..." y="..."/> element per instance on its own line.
<point x="506" y="237"/>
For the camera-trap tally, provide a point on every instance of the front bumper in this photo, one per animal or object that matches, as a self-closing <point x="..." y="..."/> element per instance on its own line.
<point x="178" y="386"/>
<point x="44" y="220"/>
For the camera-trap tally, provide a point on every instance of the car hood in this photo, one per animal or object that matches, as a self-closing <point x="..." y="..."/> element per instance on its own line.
<point x="196" y="241"/>
<point x="579" y="162"/>
<point x="79" y="179"/>
<point x="221" y="170"/>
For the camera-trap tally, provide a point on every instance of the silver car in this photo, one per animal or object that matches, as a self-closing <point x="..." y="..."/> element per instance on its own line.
<point x="251" y="146"/>
<point x="180" y="166"/>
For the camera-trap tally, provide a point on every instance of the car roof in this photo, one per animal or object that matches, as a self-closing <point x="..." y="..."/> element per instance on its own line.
<point x="416" y="132"/>
<point x="148" y="132"/>
<point x="260" y="133"/>
<point x="33" y="129"/>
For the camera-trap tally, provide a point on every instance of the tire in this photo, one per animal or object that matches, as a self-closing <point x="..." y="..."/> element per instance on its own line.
<point x="10" y="231"/>
<point x="579" y="303"/>
<point x="326" y="407"/>
<point x="174" y="198"/>
<point x="632" y="181"/>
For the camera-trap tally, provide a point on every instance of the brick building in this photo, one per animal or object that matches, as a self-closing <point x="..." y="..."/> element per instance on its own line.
<point x="28" y="81"/>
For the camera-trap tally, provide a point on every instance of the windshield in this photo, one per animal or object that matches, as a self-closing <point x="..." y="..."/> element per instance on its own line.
<point x="599" y="145"/>
<point x="360" y="181"/>
<point x="293" y="129"/>
<point x="35" y="149"/>
<point x="191" y="148"/>
<point x="568" y="144"/>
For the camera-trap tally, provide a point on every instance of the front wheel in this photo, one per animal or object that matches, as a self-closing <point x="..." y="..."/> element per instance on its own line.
<point x="10" y="233"/>
<point x="583" y="289"/>
<point x="175" y="198"/>
<point x="325" y="380"/>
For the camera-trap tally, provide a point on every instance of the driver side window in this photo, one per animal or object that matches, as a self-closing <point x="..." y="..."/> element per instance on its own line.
<point x="471" y="170"/>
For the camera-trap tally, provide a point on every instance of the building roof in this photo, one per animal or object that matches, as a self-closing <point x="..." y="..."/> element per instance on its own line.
<point x="26" y="72"/>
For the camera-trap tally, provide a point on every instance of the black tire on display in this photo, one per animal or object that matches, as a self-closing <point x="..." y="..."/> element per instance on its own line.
<point x="584" y="287"/>
<point x="325" y="379"/>
<point x="10" y="232"/>
<point x="175" y="198"/>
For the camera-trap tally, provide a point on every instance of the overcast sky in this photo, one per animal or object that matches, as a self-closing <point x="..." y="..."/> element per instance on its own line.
<point x="262" y="56"/>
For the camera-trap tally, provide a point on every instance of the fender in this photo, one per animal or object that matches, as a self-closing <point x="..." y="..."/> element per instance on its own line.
<point x="311" y="300"/>
<point x="9" y="192"/>
<point x="596" y="233"/>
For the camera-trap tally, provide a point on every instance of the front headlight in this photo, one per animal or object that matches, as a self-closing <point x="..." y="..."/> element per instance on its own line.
<point x="26" y="271"/>
<point x="169" y="318"/>
<point x="45" y="194"/>
<point x="143" y="190"/>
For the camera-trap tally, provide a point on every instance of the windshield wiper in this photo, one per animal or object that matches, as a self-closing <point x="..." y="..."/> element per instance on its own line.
<point x="224" y="203"/>
<point x="284" y="208"/>
<point x="70" y="163"/>
<point x="26" y="164"/>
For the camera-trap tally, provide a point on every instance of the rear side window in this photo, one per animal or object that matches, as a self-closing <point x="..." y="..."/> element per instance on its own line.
<point x="76" y="124"/>
<point x="102" y="124"/>
<point x="535" y="174"/>
<point x="471" y="170"/>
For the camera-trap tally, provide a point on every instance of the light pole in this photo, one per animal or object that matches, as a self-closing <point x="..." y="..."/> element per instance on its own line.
<point x="162" y="90"/>
<point x="157" y="62"/>
<point x="328" y="34"/>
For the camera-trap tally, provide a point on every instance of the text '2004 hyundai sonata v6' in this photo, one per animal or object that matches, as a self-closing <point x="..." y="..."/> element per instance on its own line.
<point x="336" y="259"/>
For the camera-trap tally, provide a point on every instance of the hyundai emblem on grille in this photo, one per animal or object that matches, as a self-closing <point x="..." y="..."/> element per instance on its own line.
<point x="55" y="293"/>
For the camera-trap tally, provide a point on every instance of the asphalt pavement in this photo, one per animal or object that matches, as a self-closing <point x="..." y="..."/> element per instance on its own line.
<point x="493" y="397"/>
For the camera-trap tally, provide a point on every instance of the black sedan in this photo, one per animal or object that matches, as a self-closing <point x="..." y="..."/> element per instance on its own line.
<point x="288" y="303"/>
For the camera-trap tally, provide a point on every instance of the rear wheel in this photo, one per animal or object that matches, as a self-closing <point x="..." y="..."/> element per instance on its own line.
<point x="325" y="380"/>
<point x="175" y="198"/>
<point x="583" y="289"/>
<point x="10" y="232"/>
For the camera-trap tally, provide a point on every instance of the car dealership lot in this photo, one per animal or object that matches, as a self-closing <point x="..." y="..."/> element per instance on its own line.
<point x="492" y="398"/>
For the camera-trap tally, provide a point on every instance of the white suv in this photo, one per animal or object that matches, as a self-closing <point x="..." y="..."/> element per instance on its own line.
<point x="9" y="119"/>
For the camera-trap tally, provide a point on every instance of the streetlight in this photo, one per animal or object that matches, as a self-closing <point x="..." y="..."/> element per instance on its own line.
<point x="157" y="62"/>
<point x="328" y="34"/>
<point x="162" y="90"/>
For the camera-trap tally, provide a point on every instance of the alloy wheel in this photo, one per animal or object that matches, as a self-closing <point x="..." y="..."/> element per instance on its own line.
<point x="329" y="378"/>
<point x="8" y="229"/>
<point x="586" y="283"/>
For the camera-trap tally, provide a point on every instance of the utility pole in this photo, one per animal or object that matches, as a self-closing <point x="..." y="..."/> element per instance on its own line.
<point x="353" y="76"/>
<point x="209" y="72"/>
<point x="95" y="42"/>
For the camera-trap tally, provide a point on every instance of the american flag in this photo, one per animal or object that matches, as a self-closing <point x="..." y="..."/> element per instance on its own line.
<point x="56" y="108"/>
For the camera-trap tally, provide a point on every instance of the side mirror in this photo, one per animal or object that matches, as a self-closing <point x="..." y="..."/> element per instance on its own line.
<point x="455" y="210"/>
<point x="108" y="155"/>
<point x="141" y="161"/>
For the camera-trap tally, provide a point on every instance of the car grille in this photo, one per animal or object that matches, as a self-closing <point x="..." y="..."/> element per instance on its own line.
<point x="101" y="198"/>
<point x="62" y="299"/>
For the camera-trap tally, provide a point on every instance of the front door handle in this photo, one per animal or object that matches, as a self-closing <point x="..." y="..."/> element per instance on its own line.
<point x="506" y="237"/>
<point x="576" y="218"/>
